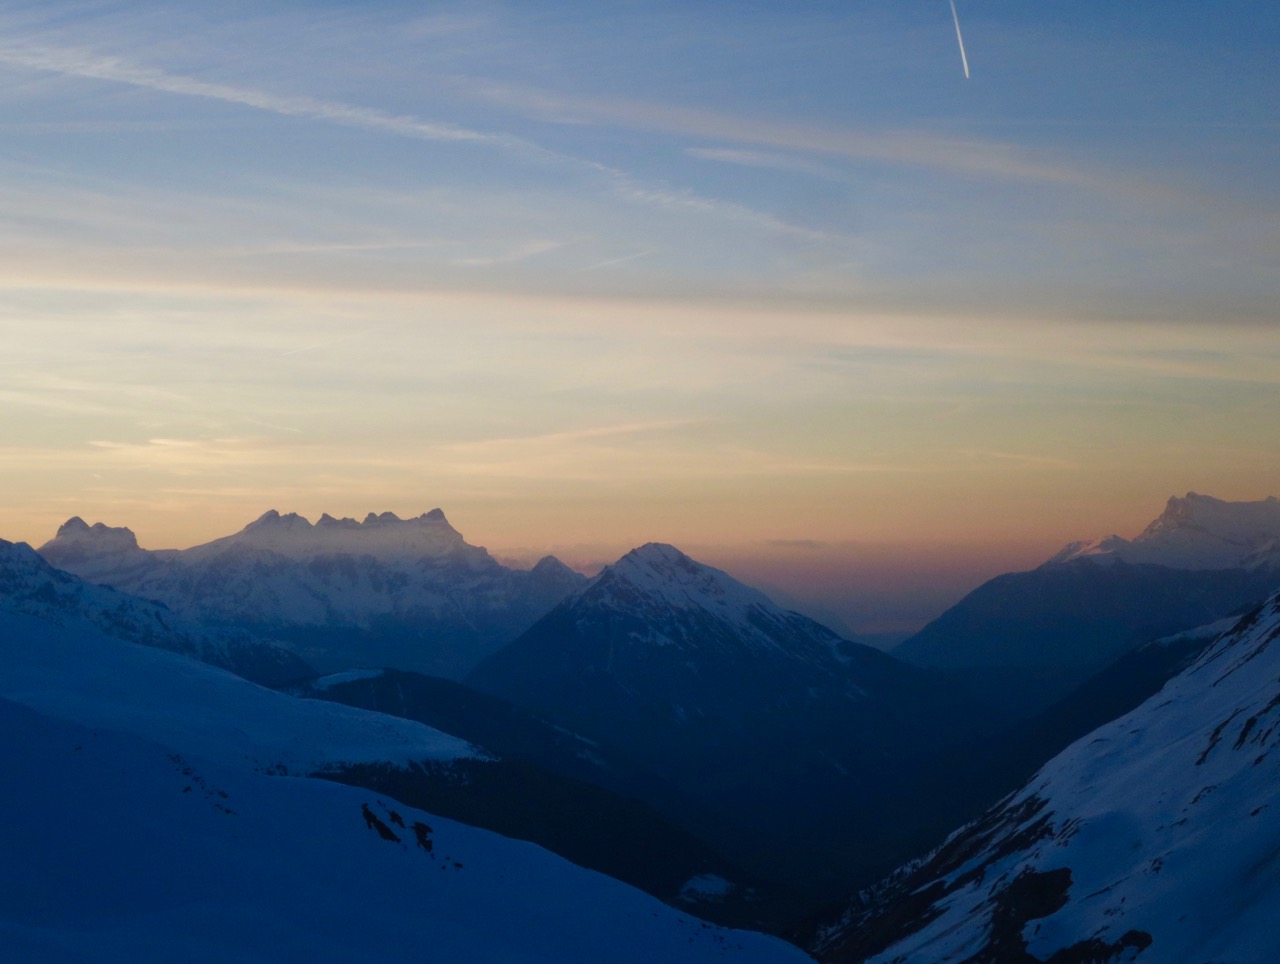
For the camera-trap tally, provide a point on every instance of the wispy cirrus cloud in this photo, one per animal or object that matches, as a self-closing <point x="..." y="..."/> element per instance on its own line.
<point x="968" y="156"/>
<point x="76" y="62"/>
<point x="83" y="63"/>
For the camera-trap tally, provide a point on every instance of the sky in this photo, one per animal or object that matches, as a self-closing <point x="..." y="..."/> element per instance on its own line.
<point x="772" y="282"/>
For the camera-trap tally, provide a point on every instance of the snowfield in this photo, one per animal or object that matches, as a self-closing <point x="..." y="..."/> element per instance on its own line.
<point x="76" y="673"/>
<point x="113" y="848"/>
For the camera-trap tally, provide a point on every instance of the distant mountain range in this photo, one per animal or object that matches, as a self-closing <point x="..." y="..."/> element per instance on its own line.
<point x="1154" y="838"/>
<point x="408" y="593"/>
<point x="1024" y="639"/>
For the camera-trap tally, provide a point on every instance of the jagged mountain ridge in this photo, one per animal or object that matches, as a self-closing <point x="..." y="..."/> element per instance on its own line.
<point x="710" y="684"/>
<point x="409" y="593"/>
<point x="1154" y="838"/>
<point x="30" y="586"/>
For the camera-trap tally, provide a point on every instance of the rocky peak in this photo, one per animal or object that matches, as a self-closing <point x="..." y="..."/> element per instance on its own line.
<point x="103" y="538"/>
<point x="1194" y="532"/>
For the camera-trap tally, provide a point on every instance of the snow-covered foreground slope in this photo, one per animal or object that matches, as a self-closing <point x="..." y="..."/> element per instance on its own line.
<point x="113" y="848"/>
<point x="152" y="813"/>
<point x="73" y="672"/>
<point x="1155" y="838"/>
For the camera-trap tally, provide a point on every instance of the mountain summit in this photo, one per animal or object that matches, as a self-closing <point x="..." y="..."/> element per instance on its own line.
<point x="1194" y="532"/>
<point x="683" y="603"/>
<point x="683" y="639"/>
<point x="384" y="536"/>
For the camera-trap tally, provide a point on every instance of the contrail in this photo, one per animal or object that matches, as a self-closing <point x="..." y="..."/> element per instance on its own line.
<point x="963" y="59"/>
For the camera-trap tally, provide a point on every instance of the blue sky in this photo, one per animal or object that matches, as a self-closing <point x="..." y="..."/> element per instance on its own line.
<point x="724" y="274"/>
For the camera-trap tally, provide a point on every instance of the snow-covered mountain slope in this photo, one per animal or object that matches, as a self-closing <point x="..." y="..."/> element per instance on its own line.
<point x="690" y="605"/>
<point x="706" y="682"/>
<point x="167" y="804"/>
<point x="72" y="670"/>
<point x="114" y="848"/>
<point x="30" y="586"/>
<point x="1194" y="532"/>
<point x="1155" y="838"/>
<point x="409" y="593"/>
<point x="1026" y="638"/>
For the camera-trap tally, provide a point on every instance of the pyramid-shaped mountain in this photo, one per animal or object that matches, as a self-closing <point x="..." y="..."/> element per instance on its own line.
<point x="680" y="644"/>
<point x="710" y="684"/>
